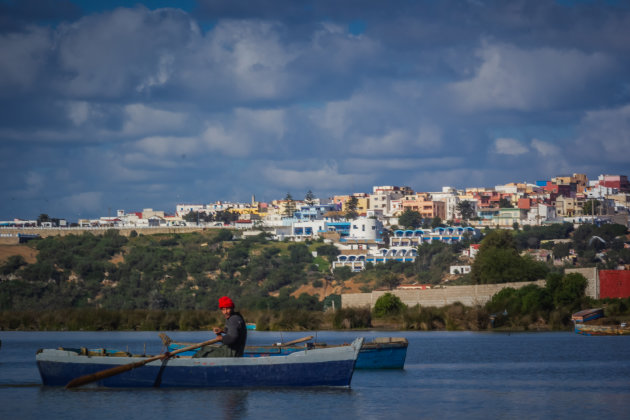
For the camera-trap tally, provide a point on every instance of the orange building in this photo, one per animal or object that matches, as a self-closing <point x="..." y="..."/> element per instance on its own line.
<point x="423" y="204"/>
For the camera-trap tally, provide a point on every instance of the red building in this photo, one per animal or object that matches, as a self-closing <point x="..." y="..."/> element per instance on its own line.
<point x="614" y="283"/>
<point x="615" y="181"/>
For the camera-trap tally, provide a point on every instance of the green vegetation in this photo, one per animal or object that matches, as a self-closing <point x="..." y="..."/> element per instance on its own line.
<point x="160" y="272"/>
<point x="552" y="304"/>
<point x="388" y="305"/>
<point x="410" y="219"/>
<point x="351" y="208"/>
<point x="434" y="260"/>
<point x="466" y="209"/>
<point x="498" y="261"/>
<point x="531" y="236"/>
<point x="173" y="281"/>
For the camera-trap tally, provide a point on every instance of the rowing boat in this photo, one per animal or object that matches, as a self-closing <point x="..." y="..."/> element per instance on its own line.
<point x="380" y="353"/>
<point x="321" y="367"/>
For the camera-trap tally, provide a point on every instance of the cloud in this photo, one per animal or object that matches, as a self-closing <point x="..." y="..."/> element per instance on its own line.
<point x="382" y="165"/>
<point x="24" y="55"/>
<point x="86" y="203"/>
<point x="119" y="53"/>
<point x="508" y="146"/>
<point x="141" y="119"/>
<point x="160" y="146"/>
<point x="400" y="142"/>
<point x="247" y="133"/>
<point x="604" y="135"/>
<point x="326" y="177"/>
<point x="34" y="184"/>
<point x="545" y="148"/>
<point x="527" y="79"/>
<point x="78" y="111"/>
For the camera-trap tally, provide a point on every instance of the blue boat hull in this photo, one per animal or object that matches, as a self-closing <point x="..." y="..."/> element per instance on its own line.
<point x="320" y="367"/>
<point x="296" y="375"/>
<point x="382" y="358"/>
<point x="383" y="353"/>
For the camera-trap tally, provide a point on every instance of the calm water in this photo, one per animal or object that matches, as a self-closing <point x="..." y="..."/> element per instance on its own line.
<point x="446" y="375"/>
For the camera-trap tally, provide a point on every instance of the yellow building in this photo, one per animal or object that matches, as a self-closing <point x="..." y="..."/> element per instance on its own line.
<point x="363" y="202"/>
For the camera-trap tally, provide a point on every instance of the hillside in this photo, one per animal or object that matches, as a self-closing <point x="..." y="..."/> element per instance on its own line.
<point x="188" y="271"/>
<point x="6" y="251"/>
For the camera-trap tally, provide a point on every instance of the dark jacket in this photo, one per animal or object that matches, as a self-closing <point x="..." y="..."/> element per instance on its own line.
<point x="235" y="333"/>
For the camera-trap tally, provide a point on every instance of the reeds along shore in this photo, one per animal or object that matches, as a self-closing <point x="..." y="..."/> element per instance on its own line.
<point x="452" y="318"/>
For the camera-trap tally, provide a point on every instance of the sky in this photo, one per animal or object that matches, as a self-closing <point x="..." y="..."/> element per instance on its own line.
<point x="108" y="105"/>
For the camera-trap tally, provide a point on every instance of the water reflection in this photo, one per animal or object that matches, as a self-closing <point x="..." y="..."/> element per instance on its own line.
<point x="234" y="404"/>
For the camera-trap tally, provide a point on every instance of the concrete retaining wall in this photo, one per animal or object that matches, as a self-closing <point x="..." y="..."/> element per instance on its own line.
<point x="45" y="232"/>
<point x="9" y="238"/>
<point x="592" y="275"/>
<point x="468" y="295"/>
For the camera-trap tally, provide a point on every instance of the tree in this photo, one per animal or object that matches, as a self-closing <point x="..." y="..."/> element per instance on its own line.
<point x="224" y="235"/>
<point x="436" y="222"/>
<point x="289" y="207"/>
<point x="191" y="216"/>
<point x="351" y="208"/>
<point x="328" y="250"/>
<point x="561" y="250"/>
<point x="342" y="273"/>
<point x="466" y="209"/>
<point x="309" y="198"/>
<point x="570" y="291"/>
<point x="410" y="219"/>
<point x="388" y="304"/>
<point x="498" y="261"/>
<point x="391" y="281"/>
<point x="300" y="253"/>
<point x="14" y="263"/>
<point x="226" y="216"/>
<point x="42" y="218"/>
<point x="591" y="207"/>
<point x="504" y="203"/>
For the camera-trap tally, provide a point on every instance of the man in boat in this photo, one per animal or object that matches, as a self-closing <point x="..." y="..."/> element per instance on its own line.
<point x="233" y="336"/>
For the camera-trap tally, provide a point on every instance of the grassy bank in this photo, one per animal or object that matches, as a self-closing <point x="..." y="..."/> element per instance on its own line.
<point x="455" y="317"/>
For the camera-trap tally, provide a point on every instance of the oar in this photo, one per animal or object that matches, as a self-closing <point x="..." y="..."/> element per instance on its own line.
<point x="93" y="377"/>
<point x="299" y="340"/>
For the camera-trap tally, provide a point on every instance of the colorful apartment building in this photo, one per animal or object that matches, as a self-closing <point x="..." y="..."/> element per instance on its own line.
<point x="423" y="204"/>
<point x="620" y="182"/>
<point x="363" y="202"/>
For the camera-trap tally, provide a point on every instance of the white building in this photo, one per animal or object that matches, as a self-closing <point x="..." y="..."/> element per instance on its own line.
<point x="382" y="198"/>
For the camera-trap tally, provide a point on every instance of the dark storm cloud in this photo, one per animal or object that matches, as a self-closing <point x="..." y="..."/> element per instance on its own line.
<point x="16" y="14"/>
<point x="106" y="106"/>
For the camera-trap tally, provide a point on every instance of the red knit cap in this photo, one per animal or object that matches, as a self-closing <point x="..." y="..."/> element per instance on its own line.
<point x="225" y="302"/>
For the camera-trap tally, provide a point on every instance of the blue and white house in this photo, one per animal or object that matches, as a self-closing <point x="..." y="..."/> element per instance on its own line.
<point x="403" y="246"/>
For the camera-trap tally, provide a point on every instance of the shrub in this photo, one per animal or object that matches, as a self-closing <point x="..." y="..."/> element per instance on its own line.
<point x="387" y="305"/>
<point x="352" y="318"/>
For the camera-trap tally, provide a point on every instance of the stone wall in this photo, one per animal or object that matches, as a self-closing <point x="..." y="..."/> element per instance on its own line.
<point x="9" y="238"/>
<point x="591" y="274"/>
<point x="468" y="295"/>
<point x="45" y="232"/>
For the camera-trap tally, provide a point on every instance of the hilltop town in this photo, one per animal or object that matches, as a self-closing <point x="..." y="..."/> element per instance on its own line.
<point x="389" y="223"/>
